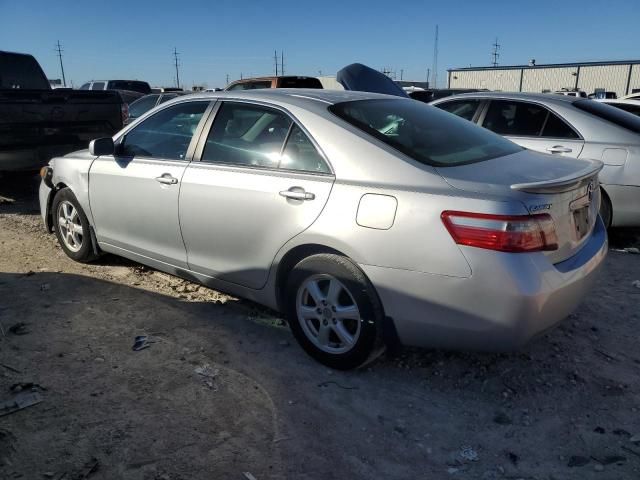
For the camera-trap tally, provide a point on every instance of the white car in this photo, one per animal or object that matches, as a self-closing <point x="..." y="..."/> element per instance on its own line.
<point x="628" y="105"/>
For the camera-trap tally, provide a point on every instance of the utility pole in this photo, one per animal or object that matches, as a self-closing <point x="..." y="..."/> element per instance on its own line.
<point x="495" y="54"/>
<point x="281" y="62"/>
<point x="59" y="50"/>
<point x="401" y="73"/>
<point x="175" y="61"/>
<point x="428" y="75"/>
<point x="227" y="79"/>
<point x="435" y="60"/>
<point x="275" y="59"/>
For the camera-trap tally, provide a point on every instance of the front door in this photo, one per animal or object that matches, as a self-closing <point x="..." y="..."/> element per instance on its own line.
<point x="134" y="194"/>
<point x="260" y="181"/>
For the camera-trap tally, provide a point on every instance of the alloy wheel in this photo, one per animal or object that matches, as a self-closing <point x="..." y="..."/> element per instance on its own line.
<point x="69" y="226"/>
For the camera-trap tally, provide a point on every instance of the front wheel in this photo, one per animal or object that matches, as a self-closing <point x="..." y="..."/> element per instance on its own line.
<point x="334" y="311"/>
<point x="72" y="227"/>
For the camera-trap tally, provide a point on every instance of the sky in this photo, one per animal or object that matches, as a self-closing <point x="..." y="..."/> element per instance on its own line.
<point x="136" y="39"/>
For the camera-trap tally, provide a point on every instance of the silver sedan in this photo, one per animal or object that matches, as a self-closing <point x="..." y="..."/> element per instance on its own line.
<point x="366" y="219"/>
<point x="567" y="127"/>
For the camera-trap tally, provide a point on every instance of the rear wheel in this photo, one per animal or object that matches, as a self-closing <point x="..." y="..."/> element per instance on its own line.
<point x="334" y="311"/>
<point x="72" y="227"/>
<point x="606" y="211"/>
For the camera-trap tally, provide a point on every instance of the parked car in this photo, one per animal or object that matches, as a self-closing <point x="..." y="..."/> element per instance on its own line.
<point x="275" y="82"/>
<point x="146" y="103"/>
<point x="631" y="106"/>
<point x="601" y="94"/>
<point x="572" y="93"/>
<point x="359" y="216"/>
<point x="166" y="89"/>
<point x="38" y="122"/>
<point x="567" y="126"/>
<point x="631" y="96"/>
<point x="130" y="85"/>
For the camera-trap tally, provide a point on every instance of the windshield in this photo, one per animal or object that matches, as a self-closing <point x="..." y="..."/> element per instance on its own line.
<point x="424" y="133"/>
<point x="610" y="114"/>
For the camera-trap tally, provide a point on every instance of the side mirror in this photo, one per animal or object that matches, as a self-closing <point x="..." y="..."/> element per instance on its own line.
<point x="101" y="146"/>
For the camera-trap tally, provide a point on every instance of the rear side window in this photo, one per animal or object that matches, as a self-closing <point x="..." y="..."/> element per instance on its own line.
<point x="97" y="86"/>
<point x="300" y="154"/>
<point x="555" y="127"/>
<point x="515" y="118"/>
<point x="133" y="85"/>
<point x="21" y="71"/>
<point x="299" y="82"/>
<point x="165" y="135"/>
<point x="610" y="114"/>
<point x="424" y="133"/>
<point x="251" y="85"/>
<point x="248" y="135"/>
<point x="463" y="108"/>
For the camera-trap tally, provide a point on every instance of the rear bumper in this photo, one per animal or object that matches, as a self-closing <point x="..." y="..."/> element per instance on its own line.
<point x="625" y="204"/>
<point x="508" y="300"/>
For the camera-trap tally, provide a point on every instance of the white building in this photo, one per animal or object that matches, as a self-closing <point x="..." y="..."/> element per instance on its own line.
<point x="622" y="77"/>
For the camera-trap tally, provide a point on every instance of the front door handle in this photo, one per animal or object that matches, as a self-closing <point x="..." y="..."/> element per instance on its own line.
<point x="297" y="193"/>
<point x="167" y="179"/>
<point x="559" y="149"/>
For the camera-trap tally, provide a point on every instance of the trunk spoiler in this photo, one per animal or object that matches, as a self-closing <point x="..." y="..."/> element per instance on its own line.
<point x="562" y="184"/>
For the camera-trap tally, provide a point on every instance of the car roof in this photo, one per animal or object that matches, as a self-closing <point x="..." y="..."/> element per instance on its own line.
<point x="541" y="97"/>
<point x="308" y="98"/>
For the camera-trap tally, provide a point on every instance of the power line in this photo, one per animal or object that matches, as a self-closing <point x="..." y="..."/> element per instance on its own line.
<point x="59" y="50"/>
<point x="435" y="60"/>
<point x="495" y="55"/>
<point x="175" y="61"/>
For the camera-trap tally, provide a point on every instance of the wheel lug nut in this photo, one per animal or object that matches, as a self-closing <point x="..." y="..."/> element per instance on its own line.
<point x="324" y="322"/>
<point x="333" y="307"/>
<point x="319" y="310"/>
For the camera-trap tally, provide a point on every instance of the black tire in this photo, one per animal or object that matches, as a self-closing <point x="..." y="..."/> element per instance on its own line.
<point x="85" y="252"/>
<point x="369" y="342"/>
<point x="606" y="211"/>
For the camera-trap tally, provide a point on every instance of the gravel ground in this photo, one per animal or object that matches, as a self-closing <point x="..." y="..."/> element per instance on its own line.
<point x="223" y="388"/>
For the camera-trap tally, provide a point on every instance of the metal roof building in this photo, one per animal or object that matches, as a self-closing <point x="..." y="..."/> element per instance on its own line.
<point x="622" y="77"/>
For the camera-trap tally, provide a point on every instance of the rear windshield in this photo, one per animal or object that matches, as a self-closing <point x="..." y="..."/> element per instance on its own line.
<point x="133" y="85"/>
<point x="610" y="114"/>
<point x="299" y="82"/>
<point x="424" y="133"/>
<point x="21" y="71"/>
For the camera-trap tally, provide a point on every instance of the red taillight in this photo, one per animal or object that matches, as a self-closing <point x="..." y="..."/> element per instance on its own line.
<point x="505" y="233"/>
<point x="125" y="113"/>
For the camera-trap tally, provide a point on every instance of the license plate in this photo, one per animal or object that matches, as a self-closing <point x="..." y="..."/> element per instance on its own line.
<point x="581" y="221"/>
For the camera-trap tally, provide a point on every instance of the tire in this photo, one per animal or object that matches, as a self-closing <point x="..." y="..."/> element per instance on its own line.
<point x="333" y="311"/>
<point x="74" y="235"/>
<point x="606" y="212"/>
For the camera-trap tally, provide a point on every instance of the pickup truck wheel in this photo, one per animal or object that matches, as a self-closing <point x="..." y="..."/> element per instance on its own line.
<point x="333" y="311"/>
<point x="72" y="227"/>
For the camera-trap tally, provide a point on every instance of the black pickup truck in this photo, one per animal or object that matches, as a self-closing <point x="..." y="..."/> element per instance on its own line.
<point x="38" y="122"/>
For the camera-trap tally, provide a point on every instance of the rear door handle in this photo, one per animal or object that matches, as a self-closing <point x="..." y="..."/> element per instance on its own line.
<point x="559" y="149"/>
<point x="167" y="179"/>
<point x="297" y="193"/>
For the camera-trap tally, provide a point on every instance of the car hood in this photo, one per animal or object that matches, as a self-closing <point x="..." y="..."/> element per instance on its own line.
<point x="361" y="78"/>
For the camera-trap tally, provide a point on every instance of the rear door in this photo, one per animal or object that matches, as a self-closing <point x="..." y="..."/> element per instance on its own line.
<point x="260" y="180"/>
<point x="533" y="126"/>
<point x="134" y="194"/>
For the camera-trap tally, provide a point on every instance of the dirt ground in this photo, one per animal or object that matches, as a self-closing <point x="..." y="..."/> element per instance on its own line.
<point x="224" y="389"/>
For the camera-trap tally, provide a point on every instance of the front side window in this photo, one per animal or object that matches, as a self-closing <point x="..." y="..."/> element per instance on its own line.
<point x="463" y="108"/>
<point x="165" y="135"/>
<point x="97" y="86"/>
<point x="142" y="105"/>
<point x="245" y="134"/>
<point x="519" y="119"/>
<point x="424" y="133"/>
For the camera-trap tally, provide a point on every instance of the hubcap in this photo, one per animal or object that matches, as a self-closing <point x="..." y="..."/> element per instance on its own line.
<point x="69" y="226"/>
<point x="328" y="314"/>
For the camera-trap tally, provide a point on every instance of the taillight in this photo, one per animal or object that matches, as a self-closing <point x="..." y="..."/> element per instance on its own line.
<point x="505" y="233"/>
<point x="124" y="109"/>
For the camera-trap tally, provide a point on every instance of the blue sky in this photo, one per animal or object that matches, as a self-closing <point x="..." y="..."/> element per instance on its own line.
<point x="135" y="39"/>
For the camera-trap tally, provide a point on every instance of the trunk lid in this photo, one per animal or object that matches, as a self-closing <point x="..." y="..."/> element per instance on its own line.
<point x="563" y="187"/>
